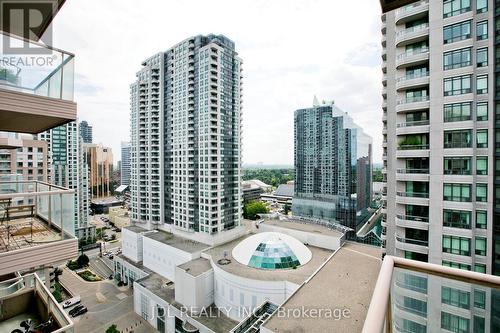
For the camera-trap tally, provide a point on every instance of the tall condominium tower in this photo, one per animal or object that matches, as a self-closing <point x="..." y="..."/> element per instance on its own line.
<point x="86" y="132"/>
<point x="186" y="138"/>
<point x="125" y="164"/>
<point x="439" y="113"/>
<point x="66" y="166"/>
<point x="333" y="166"/>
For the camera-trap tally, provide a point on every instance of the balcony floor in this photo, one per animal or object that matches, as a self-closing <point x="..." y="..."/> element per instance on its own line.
<point x="11" y="324"/>
<point x="25" y="232"/>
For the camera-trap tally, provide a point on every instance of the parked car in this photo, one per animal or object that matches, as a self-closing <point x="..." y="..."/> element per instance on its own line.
<point x="79" y="312"/>
<point x="75" y="309"/>
<point x="70" y="302"/>
<point x="110" y="256"/>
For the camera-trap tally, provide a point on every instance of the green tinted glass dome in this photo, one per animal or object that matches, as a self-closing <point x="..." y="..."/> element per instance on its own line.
<point x="271" y="250"/>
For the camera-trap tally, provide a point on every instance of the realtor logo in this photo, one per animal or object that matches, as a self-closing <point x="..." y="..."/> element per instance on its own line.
<point x="28" y="19"/>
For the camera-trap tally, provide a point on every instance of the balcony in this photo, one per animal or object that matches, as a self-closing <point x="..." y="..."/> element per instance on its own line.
<point x="10" y="141"/>
<point x="412" y="81"/>
<point x="412" y="198"/>
<point x="36" y="224"/>
<point x="412" y="103"/>
<point x="411" y="59"/>
<point x="27" y="297"/>
<point x="416" y="277"/>
<point x="417" y="150"/>
<point x="412" y="174"/>
<point x="416" y="222"/>
<point x="36" y="91"/>
<point x="413" y="245"/>
<point x="412" y="11"/>
<point x="412" y="127"/>
<point x="412" y="35"/>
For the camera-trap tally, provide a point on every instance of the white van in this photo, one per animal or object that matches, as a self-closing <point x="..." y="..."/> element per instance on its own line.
<point x="70" y="302"/>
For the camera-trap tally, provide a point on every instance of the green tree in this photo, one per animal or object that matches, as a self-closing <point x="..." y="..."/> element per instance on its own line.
<point x="83" y="260"/>
<point x="112" y="329"/>
<point x="251" y="209"/>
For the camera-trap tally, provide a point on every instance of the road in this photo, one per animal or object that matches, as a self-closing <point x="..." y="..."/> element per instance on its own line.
<point x="103" y="269"/>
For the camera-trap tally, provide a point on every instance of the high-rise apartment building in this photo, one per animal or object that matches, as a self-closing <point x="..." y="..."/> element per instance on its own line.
<point x="333" y="166"/>
<point x="439" y="132"/>
<point x="124" y="164"/>
<point x="186" y="138"/>
<point x="86" y="132"/>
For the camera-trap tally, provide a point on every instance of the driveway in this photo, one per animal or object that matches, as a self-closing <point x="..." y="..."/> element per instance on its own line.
<point x="107" y="304"/>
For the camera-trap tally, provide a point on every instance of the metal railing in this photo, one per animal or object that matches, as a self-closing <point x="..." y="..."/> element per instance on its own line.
<point x="380" y="318"/>
<point x="413" y="123"/>
<point x="413" y="99"/>
<point x="413" y="218"/>
<point x="413" y="171"/>
<point x="410" y="30"/>
<point x="412" y="241"/>
<point x="413" y="194"/>
<point x="413" y="147"/>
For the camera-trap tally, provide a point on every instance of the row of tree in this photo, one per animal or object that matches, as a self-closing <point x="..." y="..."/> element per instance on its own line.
<point x="273" y="177"/>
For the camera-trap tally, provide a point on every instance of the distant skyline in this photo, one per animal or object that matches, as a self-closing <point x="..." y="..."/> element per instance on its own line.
<point x="291" y="51"/>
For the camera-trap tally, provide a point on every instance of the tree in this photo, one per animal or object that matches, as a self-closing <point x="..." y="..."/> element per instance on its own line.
<point x="83" y="260"/>
<point x="287" y="209"/>
<point x="252" y="208"/>
<point x="112" y="329"/>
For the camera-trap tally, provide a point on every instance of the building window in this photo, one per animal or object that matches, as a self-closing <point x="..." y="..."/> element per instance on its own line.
<point x="457" y="58"/>
<point x="457" y="85"/>
<point x="482" y="165"/>
<point x="479" y="299"/>
<point x="482" y="57"/>
<point x="455" y="7"/>
<point x="411" y="326"/>
<point x="481" y="221"/>
<point x="457" y="166"/>
<point x="456" y="32"/>
<point x="415" y="306"/>
<point x="454" y="323"/>
<point x="482" y="84"/>
<point x="455" y="297"/>
<point x="480" y="247"/>
<point x="478" y="324"/>
<point x="482" y="30"/>
<point x="480" y="268"/>
<point x="482" y="139"/>
<point x="457" y="111"/>
<point x="457" y="192"/>
<point x="458" y="139"/>
<point x="482" y="111"/>
<point x="456" y="245"/>
<point x="481" y="192"/>
<point x="481" y="6"/>
<point x="456" y="265"/>
<point x="457" y="219"/>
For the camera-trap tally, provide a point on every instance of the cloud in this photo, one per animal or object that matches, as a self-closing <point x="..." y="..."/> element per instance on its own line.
<point x="291" y="49"/>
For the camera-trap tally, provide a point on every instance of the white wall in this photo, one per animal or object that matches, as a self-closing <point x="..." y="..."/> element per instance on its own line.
<point x="132" y="245"/>
<point x="194" y="292"/>
<point x="202" y="237"/>
<point x="162" y="258"/>
<point x="322" y="241"/>
<point x="233" y="292"/>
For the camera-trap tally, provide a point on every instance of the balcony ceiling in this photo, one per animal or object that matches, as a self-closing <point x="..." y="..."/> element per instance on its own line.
<point x="26" y="113"/>
<point x="388" y="5"/>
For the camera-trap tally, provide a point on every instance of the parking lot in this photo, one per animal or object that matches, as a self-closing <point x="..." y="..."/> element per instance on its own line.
<point x="106" y="303"/>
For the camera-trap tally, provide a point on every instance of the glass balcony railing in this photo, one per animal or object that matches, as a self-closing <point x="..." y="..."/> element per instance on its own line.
<point x="410" y="30"/>
<point x="27" y="297"/>
<point x="413" y="99"/>
<point x="415" y="296"/>
<point x="414" y="53"/>
<point x="413" y="218"/>
<point x="412" y="171"/>
<point x="44" y="71"/>
<point x="413" y="194"/>
<point x="413" y="147"/>
<point x="413" y="76"/>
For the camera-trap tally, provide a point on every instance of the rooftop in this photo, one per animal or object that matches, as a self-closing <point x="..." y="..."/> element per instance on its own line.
<point x="197" y="266"/>
<point x="160" y="286"/>
<point x="136" y="229"/>
<point x="285" y="190"/>
<point x="306" y="227"/>
<point x="298" y="275"/>
<point x="353" y="270"/>
<point x="180" y="243"/>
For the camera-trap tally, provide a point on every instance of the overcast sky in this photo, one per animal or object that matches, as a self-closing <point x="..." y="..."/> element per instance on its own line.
<point x="291" y="50"/>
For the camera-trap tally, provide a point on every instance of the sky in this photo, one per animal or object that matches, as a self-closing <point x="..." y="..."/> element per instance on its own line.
<point x="291" y="51"/>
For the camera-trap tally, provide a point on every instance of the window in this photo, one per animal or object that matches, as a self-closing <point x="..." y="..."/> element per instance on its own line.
<point x="415" y="283"/>
<point x="481" y="6"/>
<point x="456" y="245"/>
<point x="482" y="84"/>
<point x="482" y="165"/>
<point x="455" y="7"/>
<point x="482" y="111"/>
<point x="457" y="192"/>
<point x="457" y="219"/>
<point x="457" y="166"/>
<point x="457" y="265"/>
<point x="456" y="32"/>
<point x="417" y="95"/>
<point x="458" y="139"/>
<point x="481" y="216"/>
<point x="457" y="58"/>
<point x="482" y="30"/>
<point x="480" y="268"/>
<point x="457" y="111"/>
<point x="479" y="325"/>
<point x="482" y="57"/>
<point x="416" y="71"/>
<point x="481" y="192"/>
<point x="479" y="299"/>
<point x="411" y="326"/>
<point x="457" y="85"/>
<point x="415" y="306"/>
<point x="416" y="48"/>
<point x="455" y="297"/>
<point x="480" y="247"/>
<point x="482" y="139"/>
<point x="454" y="323"/>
